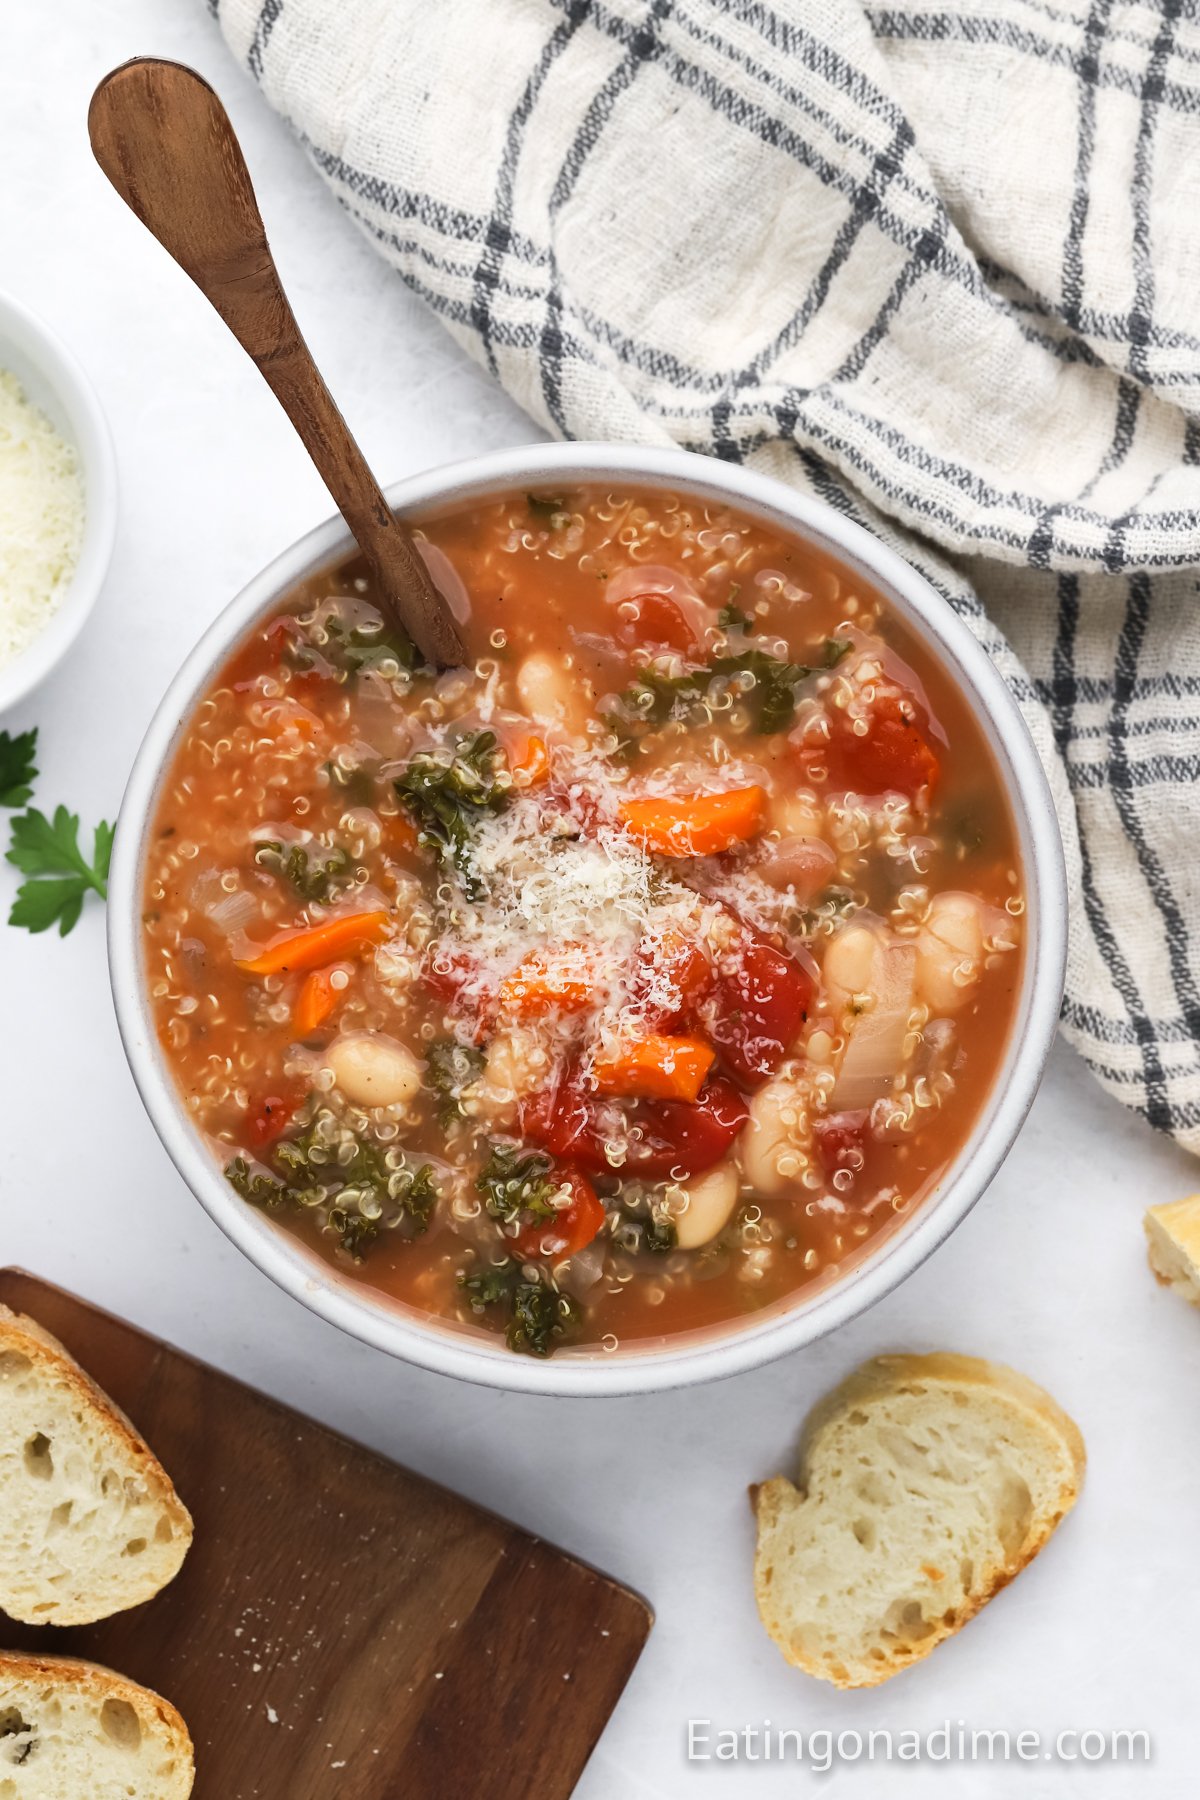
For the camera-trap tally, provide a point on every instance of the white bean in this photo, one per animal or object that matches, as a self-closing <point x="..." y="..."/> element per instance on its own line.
<point x="853" y="964"/>
<point x="373" y="1070"/>
<point x="796" y="814"/>
<point x="706" y="1208"/>
<point x="548" y="694"/>
<point x="775" y="1133"/>
<point x="512" y="1070"/>
<point x="950" y="951"/>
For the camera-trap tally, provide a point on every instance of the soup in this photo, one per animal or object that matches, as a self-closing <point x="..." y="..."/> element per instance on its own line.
<point x="629" y="981"/>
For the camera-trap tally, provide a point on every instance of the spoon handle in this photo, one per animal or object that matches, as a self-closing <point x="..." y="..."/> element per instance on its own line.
<point x="165" y="142"/>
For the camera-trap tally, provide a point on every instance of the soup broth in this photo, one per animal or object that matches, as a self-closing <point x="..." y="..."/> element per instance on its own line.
<point x="633" y="979"/>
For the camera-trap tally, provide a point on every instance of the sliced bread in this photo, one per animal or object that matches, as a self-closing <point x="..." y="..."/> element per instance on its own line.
<point x="89" y="1521"/>
<point x="926" y="1484"/>
<point x="74" y="1731"/>
<point x="1173" y="1242"/>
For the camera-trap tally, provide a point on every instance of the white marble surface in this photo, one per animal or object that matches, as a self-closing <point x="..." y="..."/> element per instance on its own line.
<point x="1048" y="1273"/>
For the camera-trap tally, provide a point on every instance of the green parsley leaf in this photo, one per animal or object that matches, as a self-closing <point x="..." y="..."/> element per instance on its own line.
<point x="17" y="767"/>
<point x="48" y="850"/>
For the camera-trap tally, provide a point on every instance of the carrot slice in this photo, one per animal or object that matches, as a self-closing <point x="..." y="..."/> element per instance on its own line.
<point x="695" y="824"/>
<point x="656" y="1068"/>
<point x="547" y="979"/>
<point x="307" y="947"/>
<point x="532" y="766"/>
<point x="316" y="1000"/>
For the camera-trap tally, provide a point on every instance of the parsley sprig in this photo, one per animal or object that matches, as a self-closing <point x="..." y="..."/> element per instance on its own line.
<point x="18" y="771"/>
<point x="61" y="876"/>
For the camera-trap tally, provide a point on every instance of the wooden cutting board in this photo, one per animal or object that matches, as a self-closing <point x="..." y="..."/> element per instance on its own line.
<point x="342" y="1629"/>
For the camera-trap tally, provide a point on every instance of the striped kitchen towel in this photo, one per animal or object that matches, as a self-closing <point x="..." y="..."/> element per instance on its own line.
<point x="937" y="262"/>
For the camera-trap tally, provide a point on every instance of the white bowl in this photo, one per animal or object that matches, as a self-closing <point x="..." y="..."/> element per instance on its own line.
<point x="722" y="1350"/>
<point x="54" y="382"/>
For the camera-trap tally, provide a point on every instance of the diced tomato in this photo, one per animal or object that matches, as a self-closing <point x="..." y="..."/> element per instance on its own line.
<point x="666" y="1136"/>
<point x="269" y="1115"/>
<point x="894" y="755"/>
<point x="562" y="1119"/>
<point x="455" y="981"/>
<point x="654" y="621"/>
<point x="402" y="833"/>
<point x="571" y="1229"/>
<point x="671" y="976"/>
<point x="757" y="1006"/>
<point x="840" y="1140"/>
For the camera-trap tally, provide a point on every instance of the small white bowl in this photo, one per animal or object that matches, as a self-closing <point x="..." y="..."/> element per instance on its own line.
<point x="724" y="1349"/>
<point x="55" y="383"/>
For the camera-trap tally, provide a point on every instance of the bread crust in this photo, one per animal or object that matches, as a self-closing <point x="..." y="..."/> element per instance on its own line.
<point x="775" y="1499"/>
<point x="53" y="1361"/>
<point x="93" y="1682"/>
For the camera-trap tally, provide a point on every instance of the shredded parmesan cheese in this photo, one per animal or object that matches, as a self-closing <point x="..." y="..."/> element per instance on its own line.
<point x="41" y="518"/>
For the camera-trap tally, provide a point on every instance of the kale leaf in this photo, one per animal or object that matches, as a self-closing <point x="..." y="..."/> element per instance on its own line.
<point x="447" y="797"/>
<point x="354" y="1232"/>
<point x="655" y="698"/>
<point x="256" y="1184"/>
<point x="449" y="1068"/>
<point x="357" y="783"/>
<point x="539" y="1316"/>
<point x="515" y="1181"/>
<point x="314" y="870"/>
<point x="369" y="646"/>
<point x="551" y="510"/>
<point x="311" y="1170"/>
<point x="489" y="1286"/>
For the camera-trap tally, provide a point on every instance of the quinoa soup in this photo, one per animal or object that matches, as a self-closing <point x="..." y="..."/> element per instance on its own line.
<point x="628" y="982"/>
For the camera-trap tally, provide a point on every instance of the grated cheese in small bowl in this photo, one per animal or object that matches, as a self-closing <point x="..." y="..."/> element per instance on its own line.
<point x="41" y="518"/>
<point x="58" y="500"/>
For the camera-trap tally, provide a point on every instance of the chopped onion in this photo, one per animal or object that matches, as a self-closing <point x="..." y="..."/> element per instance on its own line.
<point x="876" y="1049"/>
<point x="580" y="1273"/>
<point x="446" y="579"/>
<point x="232" y="912"/>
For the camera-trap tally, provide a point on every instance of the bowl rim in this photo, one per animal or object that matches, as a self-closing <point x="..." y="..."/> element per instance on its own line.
<point x="721" y="1351"/>
<point x="87" y="426"/>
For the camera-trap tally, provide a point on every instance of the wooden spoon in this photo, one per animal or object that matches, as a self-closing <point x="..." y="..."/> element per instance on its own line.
<point x="164" y="140"/>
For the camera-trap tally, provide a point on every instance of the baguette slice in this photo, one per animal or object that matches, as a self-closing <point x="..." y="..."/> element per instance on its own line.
<point x="1173" y="1242"/>
<point x="927" y="1483"/>
<point x="89" y="1521"/>
<point x="74" y="1731"/>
